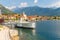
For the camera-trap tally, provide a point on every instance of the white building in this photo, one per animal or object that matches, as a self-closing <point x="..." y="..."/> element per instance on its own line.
<point x="23" y="16"/>
<point x="0" y="12"/>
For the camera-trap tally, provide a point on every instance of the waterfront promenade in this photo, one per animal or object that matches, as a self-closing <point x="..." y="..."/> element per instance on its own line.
<point x="8" y="34"/>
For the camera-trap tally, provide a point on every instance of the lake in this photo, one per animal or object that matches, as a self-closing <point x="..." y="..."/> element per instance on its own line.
<point x="45" y="30"/>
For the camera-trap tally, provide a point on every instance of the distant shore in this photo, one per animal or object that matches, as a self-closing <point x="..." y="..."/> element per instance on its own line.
<point x="15" y="17"/>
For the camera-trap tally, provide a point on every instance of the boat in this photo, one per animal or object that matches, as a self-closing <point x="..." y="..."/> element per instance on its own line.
<point x="23" y="23"/>
<point x="29" y="25"/>
<point x="20" y="24"/>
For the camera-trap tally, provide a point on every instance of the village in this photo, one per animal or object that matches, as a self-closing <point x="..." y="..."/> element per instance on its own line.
<point x="15" y="17"/>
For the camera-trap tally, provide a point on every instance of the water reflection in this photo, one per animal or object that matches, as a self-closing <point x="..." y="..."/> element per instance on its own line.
<point x="34" y="32"/>
<point x="27" y="34"/>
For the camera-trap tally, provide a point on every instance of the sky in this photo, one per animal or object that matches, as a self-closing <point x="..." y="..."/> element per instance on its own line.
<point x="25" y="3"/>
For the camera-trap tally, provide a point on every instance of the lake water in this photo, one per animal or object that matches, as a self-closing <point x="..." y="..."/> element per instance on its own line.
<point x="45" y="30"/>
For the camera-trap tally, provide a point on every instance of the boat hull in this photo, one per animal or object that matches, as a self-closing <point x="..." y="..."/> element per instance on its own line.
<point x="23" y="27"/>
<point x="30" y="25"/>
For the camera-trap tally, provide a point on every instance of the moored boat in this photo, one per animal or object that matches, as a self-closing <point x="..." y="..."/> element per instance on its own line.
<point x="29" y="25"/>
<point x="25" y="23"/>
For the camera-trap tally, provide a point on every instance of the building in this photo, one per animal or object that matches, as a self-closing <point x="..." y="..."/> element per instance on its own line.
<point x="0" y="12"/>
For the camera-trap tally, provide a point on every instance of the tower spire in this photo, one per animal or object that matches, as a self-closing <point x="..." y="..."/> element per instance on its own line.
<point x="25" y="16"/>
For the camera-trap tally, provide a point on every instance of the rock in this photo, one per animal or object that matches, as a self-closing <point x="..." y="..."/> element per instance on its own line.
<point x="14" y="34"/>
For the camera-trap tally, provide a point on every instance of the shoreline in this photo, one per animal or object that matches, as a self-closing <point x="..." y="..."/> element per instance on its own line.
<point x="8" y="34"/>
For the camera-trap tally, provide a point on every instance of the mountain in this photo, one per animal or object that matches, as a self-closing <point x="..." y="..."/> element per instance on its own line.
<point x="35" y="10"/>
<point x="4" y="10"/>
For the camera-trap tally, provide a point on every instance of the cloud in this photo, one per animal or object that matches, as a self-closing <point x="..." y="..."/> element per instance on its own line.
<point x="11" y="7"/>
<point x="23" y="4"/>
<point x="55" y="5"/>
<point x="35" y="1"/>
